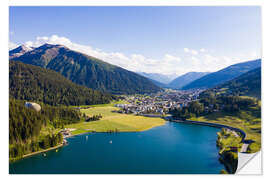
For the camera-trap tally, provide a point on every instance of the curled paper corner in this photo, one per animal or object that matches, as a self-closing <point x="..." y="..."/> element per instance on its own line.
<point x="249" y="163"/>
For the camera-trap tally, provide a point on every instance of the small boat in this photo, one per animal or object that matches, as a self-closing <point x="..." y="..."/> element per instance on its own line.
<point x="56" y="150"/>
<point x="86" y="137"/>
<point x="110" y="142"/>
<point x="44" y="154"/>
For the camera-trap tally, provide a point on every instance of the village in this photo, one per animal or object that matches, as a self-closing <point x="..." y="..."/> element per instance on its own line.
<point x="157" y="104"/>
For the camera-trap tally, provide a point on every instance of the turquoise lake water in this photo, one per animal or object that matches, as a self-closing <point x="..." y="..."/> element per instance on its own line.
<point x="174" y="148"/>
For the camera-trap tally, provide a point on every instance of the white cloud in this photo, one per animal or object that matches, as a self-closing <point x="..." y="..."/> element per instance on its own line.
<point x="202" y="50"/>
<point x="254" y="54"/>
<point x="195" y="61"/>
<point x="168" y="64"/>
<point x="186" y="50"/>
<point x="191" y="51"/>
<point x="170" y="58"/>
<point x="194" y="52"/>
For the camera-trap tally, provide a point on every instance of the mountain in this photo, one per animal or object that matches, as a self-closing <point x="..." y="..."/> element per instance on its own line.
<point x="247" y="84"/>
<point x="183" y="80"/>
<point x="159" y="84"/>
<point x="164" y="79"/>
<point x="19" y="51"/>
<point x="226" y="74"/>
<point x="88" y="71"/>
<point x="33" y="83"/>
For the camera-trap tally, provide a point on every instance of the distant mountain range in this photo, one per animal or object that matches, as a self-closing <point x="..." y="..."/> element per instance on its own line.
<point x="99" y="75"/>
<point x="159" y="84"/>
<point x="172" y="81"/>
<point x="86" y="70"/>
<point x="162" y="78"/>
<point x="183" y="80"/>
<point x="33" y="83"/>
<point x="226" y="74"/>
<point x="247" y="84"/>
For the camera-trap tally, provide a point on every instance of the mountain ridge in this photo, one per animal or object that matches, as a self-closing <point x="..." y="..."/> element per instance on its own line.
<point x="87" y="70"/>
<point x="223" y="75"/>
<point x="18" y="51"/>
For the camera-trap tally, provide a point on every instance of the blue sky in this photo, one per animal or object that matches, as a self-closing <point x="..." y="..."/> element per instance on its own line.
<point x="153" y="39"/>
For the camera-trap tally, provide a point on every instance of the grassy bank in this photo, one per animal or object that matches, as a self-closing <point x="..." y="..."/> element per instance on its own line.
<point x="245" y="120"/>
<point x="113" y="121"/>
<point x="229" y="144"/>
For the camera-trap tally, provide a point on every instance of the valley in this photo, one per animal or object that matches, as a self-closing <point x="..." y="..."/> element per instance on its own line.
<point x="72" y="104"/>
<point x="123" y="89"/>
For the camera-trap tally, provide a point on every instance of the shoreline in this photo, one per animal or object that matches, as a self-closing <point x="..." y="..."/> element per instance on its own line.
<point x="61" y="145"/>
<point x="45" y="150"/>
<point x="227" y="165"/>
<point x="119" y="131"/>
<point x="37" y="152"/>
<point x="89" y="132"/>
<point x="243" y="134"/>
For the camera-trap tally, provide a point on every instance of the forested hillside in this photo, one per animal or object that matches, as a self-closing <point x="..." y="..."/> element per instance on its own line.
<point x="88" y="71"/>
<point x="31" y="131"/>
<point x="33" y="83"/>
<point x="248" y="84"/>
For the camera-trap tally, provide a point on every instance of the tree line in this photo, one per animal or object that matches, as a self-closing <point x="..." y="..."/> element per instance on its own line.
<point x="17" y="150"/>
<point x="92" y="118"/>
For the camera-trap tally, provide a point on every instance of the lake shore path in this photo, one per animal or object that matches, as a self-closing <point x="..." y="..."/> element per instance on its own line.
<point x="42" y="151"/>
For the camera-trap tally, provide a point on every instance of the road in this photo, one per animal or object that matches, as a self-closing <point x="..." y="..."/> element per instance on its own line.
<point x="244" y="148"/>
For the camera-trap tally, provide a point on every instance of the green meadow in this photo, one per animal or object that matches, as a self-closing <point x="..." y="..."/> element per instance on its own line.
<point x="113" y="121"/>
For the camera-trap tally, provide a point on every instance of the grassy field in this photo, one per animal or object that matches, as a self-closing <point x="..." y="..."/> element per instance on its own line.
<point x="245" y="120"/>
<point x="113" y="121"/>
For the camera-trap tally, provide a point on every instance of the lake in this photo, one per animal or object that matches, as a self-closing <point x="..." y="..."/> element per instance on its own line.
<point x="175" y="148"/>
